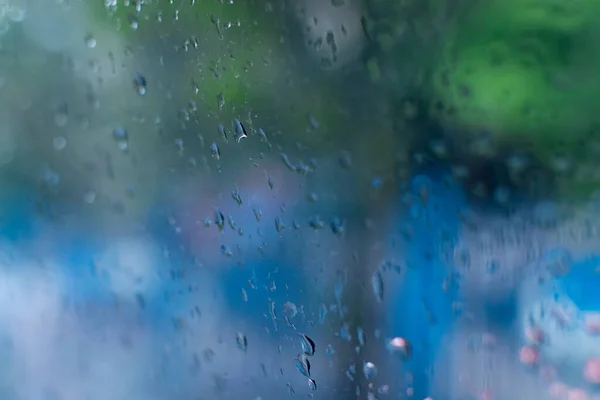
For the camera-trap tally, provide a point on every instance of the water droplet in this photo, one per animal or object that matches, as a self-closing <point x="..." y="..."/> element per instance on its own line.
<point x="303" y="365"/>
<point x="90" y="41"/>
<point x="377" y="284"/>
<point x="370" y="370"/>
<point x="222" y="132"/>
<point x="226" y="251"/>
<point x="316" y="222"/>
<point x="337" y="226"/>
<point x="290" y="309"/>
<point x="208" y="355"/>
<point x="351" y="372"/>
<point x="312" y="384"/>
<point x="61" y="116"/>
<point x="257" y="213"/>
<point x="308" y="346"/>
<point x="291" y="389"/>
<point x="59" y="143"/>
<point x="360" y="335"/>
<point x="263" y="135"/>
<point x="220" y="101"/>
<point x="345" y="332"/>
<point x="139" y="83"/>
<point x="322" y="313"/>
<point x="287" y="162"/>
<point x="314" y="124"/>
<point x="400" y="346"/>
<point x="279" y="224"/>
<point x="242" y="341"/>
<point x="214" y="150"/>
<point x="329" y="351"/>
<point x="236" y="196"/>
<point x="239" y="132"/>
<point x="120" y="133"/>
<point x="219" y="220"/>
<point x="89" y="197"/>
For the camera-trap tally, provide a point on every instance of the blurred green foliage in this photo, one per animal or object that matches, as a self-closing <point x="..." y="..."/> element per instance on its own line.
<point x="523" y="71"/>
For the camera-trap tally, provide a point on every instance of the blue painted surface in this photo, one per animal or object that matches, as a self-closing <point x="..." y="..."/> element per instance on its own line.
<point x="582" y="283"/>
<point x="425" y="309"/>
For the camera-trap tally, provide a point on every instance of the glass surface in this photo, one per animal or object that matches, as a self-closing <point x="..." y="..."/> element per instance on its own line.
<point x="333" y="199"/>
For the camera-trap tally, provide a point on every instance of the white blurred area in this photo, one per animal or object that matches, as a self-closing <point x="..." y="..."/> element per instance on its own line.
<point x="67" y="337"/>
<point x="479" y="358"/>
<point x="54" y="353"/>
<point x="73" y="335"/>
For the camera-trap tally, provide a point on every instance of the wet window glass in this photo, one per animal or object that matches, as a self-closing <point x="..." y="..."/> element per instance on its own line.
<point x="272" y="199"/>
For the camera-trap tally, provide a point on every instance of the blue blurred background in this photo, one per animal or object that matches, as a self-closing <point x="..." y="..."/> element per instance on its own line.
<point x="269" y="199"/>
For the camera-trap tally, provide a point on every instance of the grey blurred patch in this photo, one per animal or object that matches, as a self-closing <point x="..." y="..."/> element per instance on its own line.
<point x="332" y="31"/>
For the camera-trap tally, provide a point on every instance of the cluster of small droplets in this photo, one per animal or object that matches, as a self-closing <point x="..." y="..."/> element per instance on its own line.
<point x="302" y="361"/>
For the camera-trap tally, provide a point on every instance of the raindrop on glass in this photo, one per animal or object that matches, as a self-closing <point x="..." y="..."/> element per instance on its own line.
<point x="89" y="197"/>
<point x="370" y="370"/>
<point x="61" y="116"/>
<point x="377" y="284"/>
<point x="322" y="313"/>
<point x="360" y="335"/>
<point x="214" y="151"/>
<point x="120" y="133"/>
<point x="303" y="365"/>
<point x="242" y="341"/>
<point x="399" y="346"/>
<point x="90" y="41"/>
<point x="257" y="213"/>
<point x="59" y="142"/>
<point x="237" y="197"/>
<point x="139" y="82"/>
<point x="219" y="220"/>
<point x="308" y="345"/>
<point x="279" y="225"/>
<point x="290" y="309"/>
